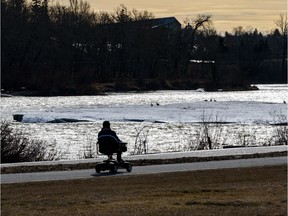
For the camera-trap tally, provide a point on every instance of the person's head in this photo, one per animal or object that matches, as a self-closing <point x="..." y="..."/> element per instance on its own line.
<point x="106" y="124"/>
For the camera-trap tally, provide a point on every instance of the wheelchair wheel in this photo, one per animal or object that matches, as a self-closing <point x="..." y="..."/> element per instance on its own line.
<point x="98" y="168"/>
<point x="129" y="167"/>
<point x="114" y="168"/>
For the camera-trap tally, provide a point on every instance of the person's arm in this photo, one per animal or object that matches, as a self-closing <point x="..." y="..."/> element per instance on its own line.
<point x="114" y="134"/>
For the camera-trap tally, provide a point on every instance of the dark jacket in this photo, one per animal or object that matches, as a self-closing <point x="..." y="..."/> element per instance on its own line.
<point x="108" y="131"/>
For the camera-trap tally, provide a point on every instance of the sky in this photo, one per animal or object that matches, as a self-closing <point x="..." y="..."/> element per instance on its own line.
<point x="226" y="14"/>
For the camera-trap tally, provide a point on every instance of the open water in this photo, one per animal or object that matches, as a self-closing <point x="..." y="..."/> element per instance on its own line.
<point x="175" y="124"/>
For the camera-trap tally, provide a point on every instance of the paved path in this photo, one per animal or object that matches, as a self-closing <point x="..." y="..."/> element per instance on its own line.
<point x="90" y="173"/>
<point x="171" y="155"/>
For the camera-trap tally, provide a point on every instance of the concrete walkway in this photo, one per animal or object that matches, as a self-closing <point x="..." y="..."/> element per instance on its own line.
<point x="140" y="170"/>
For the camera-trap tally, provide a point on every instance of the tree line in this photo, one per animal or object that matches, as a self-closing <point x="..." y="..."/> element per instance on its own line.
<point x="72" y="49"/>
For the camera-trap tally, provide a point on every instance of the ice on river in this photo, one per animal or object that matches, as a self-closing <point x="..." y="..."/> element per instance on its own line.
<point x="175" y="106"/>
<point x="228" y="111"/>
<point x="173" y="125"/>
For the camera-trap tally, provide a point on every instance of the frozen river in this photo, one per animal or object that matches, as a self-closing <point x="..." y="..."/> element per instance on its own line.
<point x="176" y="124"/>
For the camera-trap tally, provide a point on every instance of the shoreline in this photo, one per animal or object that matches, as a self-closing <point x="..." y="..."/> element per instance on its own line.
<point x="96" y="89"/>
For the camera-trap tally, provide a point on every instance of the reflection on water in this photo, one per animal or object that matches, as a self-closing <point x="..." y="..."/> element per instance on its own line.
<point x="71" y="139"/>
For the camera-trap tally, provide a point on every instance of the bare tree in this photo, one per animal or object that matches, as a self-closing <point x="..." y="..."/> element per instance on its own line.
<point x="16" y="147"/>
<point x="104" y="18"/>
<point x="209" y="135"/>
<point x="282" y="23"/>
<point x="201" y="21"/>
<point x="122" y="14"/>
<point x="211" y="131"/>
<point x="238" y="31"/>
<point x="280" y="136"/>
<point x="192" y="27"/>
<point x="141" y="140"/>
<point x="141" y="15"/>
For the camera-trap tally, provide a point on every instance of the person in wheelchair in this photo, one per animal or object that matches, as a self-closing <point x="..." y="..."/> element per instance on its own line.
<point x="107" y="132"/>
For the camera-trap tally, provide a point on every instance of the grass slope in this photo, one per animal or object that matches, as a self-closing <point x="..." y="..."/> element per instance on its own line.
<point x="245" y="191"/>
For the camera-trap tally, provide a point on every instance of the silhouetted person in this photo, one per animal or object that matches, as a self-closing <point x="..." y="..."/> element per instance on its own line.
<point x="106" y="130"/>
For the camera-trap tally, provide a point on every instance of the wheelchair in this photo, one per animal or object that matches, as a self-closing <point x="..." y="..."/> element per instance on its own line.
<point x="108" y="145"/>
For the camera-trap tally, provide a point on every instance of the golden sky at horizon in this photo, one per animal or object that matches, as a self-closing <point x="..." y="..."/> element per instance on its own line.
<point x="226" y="14"/>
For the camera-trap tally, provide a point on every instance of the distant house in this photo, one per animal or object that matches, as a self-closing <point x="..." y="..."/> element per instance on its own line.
<point x="118" y="31"/>
<point x="136" y="48"/>
<point x="168" y="23"/>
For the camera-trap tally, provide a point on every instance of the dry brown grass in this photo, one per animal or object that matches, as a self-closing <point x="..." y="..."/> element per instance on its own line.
<point x="246" y="191"/>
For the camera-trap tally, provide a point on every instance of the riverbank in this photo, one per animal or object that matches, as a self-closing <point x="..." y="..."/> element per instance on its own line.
<point x="129" y="86"/>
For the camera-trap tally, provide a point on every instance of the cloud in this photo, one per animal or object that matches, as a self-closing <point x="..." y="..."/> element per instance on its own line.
<point x="226" y="14"/>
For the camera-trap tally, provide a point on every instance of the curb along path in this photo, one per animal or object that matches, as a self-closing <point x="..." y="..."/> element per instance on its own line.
<point x="150" y="159"/>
